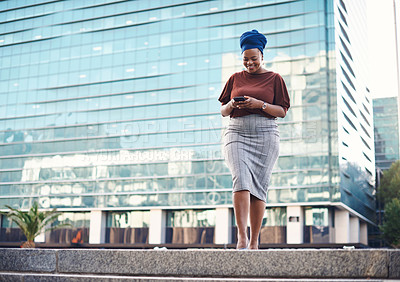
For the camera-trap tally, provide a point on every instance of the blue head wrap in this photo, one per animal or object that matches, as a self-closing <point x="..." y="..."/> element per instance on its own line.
<point x="253" y="39"/>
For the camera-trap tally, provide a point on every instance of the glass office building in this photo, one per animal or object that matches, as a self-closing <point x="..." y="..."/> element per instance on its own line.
<point x="109" y="113"/>
<point x="386" y="124"/>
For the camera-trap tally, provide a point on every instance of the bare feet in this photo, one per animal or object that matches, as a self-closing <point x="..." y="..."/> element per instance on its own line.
<point x="253" y="245"/>
<point x="242" y="243"/>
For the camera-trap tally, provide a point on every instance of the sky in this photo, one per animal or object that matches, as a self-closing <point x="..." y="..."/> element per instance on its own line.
<point x="382" y="48"/>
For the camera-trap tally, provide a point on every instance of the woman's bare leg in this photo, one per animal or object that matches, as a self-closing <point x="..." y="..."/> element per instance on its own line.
<point x="241" y="206"/>
<point x="257" y="209"/>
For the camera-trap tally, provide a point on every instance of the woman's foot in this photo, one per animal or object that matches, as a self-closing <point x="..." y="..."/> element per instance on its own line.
<point x="253" y="245"/>
<point x="242" y="243"/>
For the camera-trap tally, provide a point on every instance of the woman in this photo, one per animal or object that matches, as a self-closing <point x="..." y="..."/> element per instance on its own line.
<point x="251" y="142"/>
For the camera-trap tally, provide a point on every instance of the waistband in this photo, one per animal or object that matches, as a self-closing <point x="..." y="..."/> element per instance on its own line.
<point x="251" y="122"/>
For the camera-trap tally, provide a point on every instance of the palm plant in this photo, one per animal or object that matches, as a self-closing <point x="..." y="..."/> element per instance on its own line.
<point x="33" y="222"/>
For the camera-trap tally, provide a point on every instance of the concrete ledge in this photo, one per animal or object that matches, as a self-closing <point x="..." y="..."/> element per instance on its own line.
<point x="394" y="264"/>
<point x="28" y="260"/>
<point x="109" y="278"/>
<point x="274" y="263"/>
<point x="232" y="263"/>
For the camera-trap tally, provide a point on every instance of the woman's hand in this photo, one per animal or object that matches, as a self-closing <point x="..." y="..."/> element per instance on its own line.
<point x="253" y="103"/>
<point x="227" y="108"/>
<point x="249" y="103"/>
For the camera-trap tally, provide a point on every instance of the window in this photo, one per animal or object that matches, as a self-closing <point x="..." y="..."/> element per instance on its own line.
<point x="344" y="32"/>
<point x="191" y="218"/>
<point x="345" y="48"/>
<point x="134" y="219"/>
<point x="273" y="228"/>
<point x="349" y="107"/>
<point x="316" y="225"/>
<point x="127" y="227"/>
<point x="348" y="79"/>
<point x="366" y="132"/>
<point x="348" y="92"/>
<point x="343" y="5"/>
<point x="365" y="119"/>
<point x="79" y="233"/>
<point x="349" y="121"/>
<point x="347" y="64"/>
<point x="342" y="16"/>
<point x="190" y="226"/>
<point x="365" y="143"/>
<point x="366" y="109"/>
<point x="365" y="155"/>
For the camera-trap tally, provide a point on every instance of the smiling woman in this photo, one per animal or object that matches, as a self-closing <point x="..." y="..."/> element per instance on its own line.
<point x="252" y="60"/>
<point x="251" y="142"/>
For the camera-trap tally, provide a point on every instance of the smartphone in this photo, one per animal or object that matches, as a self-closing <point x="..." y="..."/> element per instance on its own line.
<point x="239" y="99"/>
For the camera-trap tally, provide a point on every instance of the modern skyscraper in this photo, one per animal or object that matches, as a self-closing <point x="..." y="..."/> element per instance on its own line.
<point x="109" y="113"/>
<point x="386" y="132"/>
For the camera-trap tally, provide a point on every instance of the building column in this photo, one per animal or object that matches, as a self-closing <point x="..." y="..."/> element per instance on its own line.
<point x="342" y="226"/>
<point x="223" y="226"/>
<point x="364" y="233"/>
<point x="354" y="229"/>
<point x="295" y="225"/>
<point x="157" y="226"/>
<point x="97" y="232"/>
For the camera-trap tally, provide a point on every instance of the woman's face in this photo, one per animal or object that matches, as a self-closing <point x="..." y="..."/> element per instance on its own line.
<point x="252" y="59"/>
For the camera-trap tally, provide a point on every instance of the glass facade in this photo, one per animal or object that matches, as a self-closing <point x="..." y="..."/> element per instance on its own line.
<point x="386" y="125"/>
<point x="9" y="231"/>
<point x="355" y="143"/>
<point x="78" y="233"/>
<point x="112" y="105"/>
<point x="128" y="227"/>
<point x="103" y="110"/>
<point x="316" y="225"/>
<point x="190" y="226"/>
<point x="273" y="227"/>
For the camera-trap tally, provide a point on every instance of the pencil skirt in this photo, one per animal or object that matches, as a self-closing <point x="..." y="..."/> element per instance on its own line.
<point x="251" y="148"/>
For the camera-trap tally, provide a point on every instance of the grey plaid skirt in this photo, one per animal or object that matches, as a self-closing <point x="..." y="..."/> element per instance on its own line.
<point x="251" y="148"/>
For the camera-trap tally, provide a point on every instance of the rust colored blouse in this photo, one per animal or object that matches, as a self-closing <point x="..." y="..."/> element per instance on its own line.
<point x="268" y="87"/>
